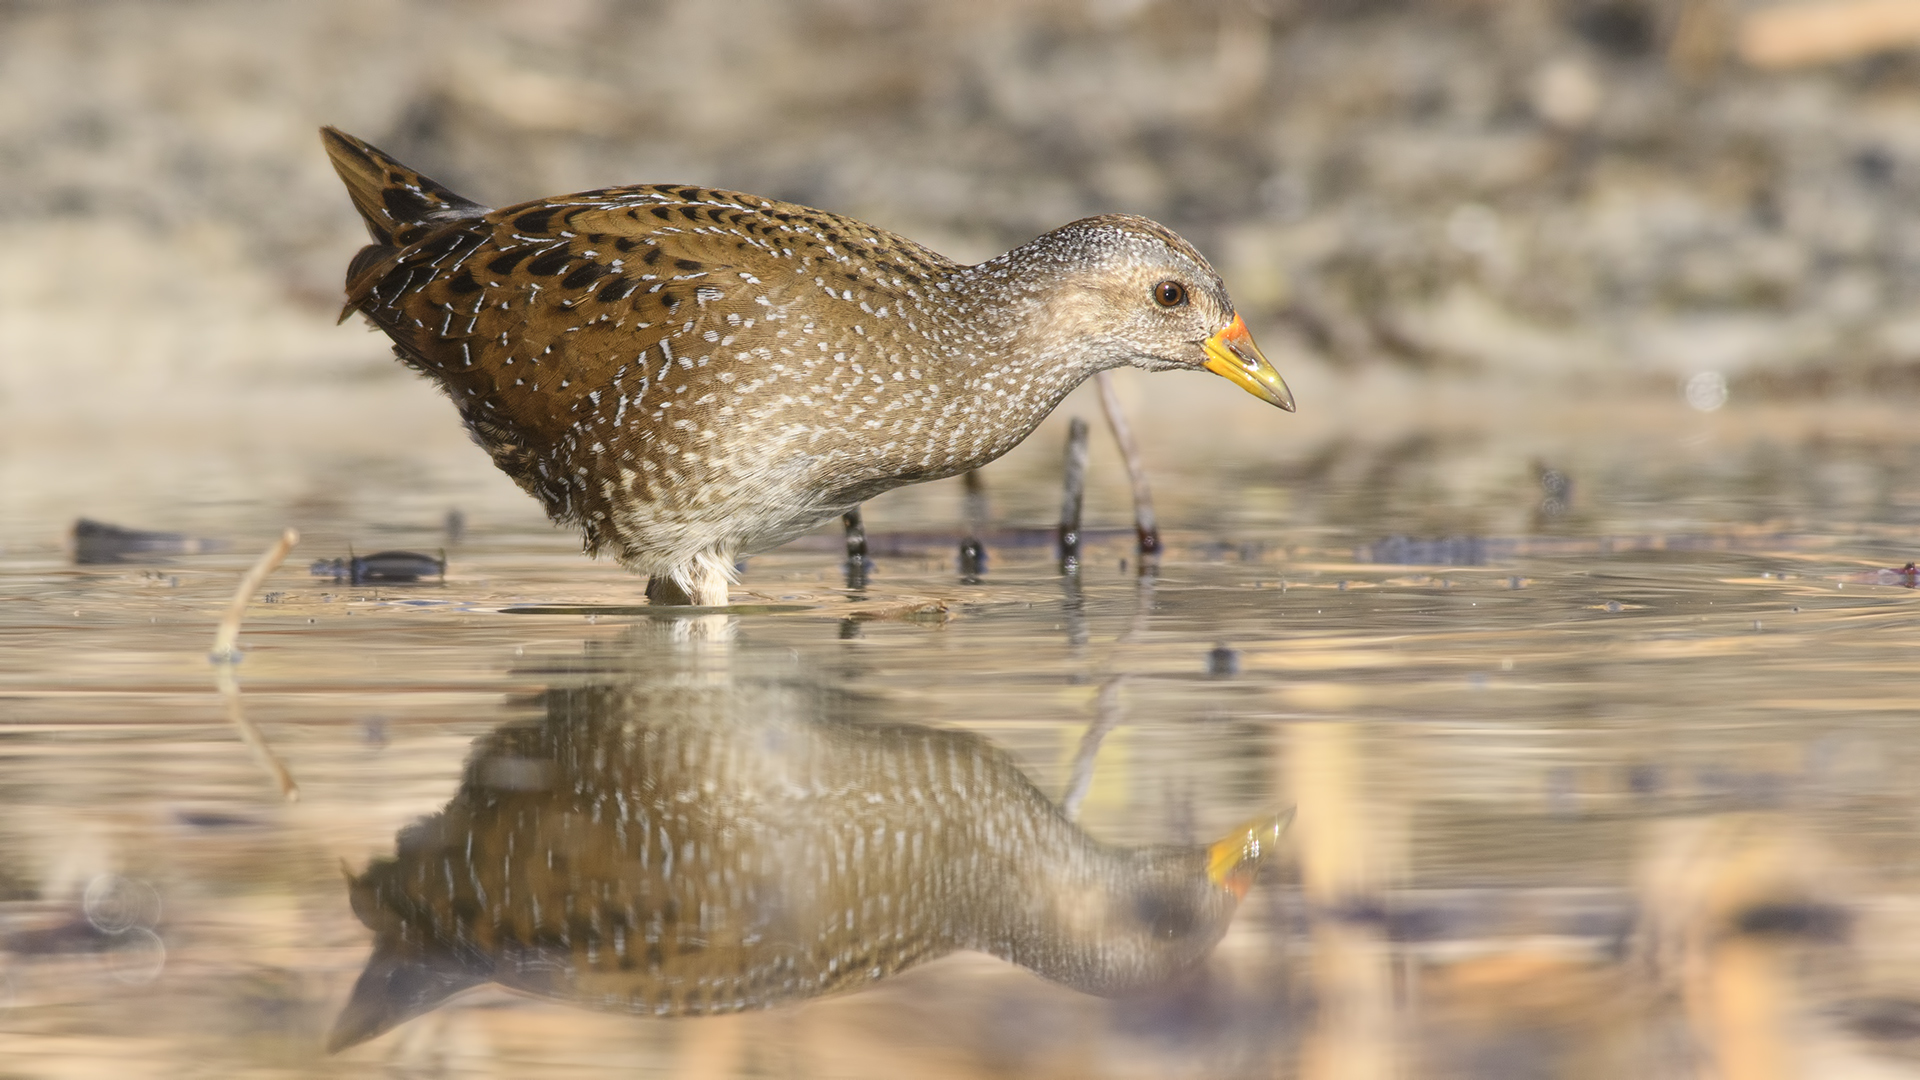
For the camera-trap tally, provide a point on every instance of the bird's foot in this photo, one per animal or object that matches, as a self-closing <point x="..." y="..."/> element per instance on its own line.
<point x="700" y="582"/>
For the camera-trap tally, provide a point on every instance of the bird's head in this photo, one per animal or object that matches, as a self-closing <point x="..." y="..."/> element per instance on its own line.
<point x="1143" y="296"/>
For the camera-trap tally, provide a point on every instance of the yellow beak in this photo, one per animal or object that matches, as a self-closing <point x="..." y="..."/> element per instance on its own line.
<point x="1231" y="353"/>
<point x="1231" y="863"/>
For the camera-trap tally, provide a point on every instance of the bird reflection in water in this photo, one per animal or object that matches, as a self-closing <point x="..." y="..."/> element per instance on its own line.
<point x="709" y="850"/>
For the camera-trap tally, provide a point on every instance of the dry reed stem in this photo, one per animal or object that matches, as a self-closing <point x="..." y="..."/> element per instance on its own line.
<point x="1792" y="35"/>
<point x="1144" y="523"/>
<point x="226" y="653"/>
<point x="225" y="650"/>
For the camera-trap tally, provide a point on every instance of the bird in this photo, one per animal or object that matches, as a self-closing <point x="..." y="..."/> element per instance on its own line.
<point x="691" y="375"/>
<point x="678" y="850"/>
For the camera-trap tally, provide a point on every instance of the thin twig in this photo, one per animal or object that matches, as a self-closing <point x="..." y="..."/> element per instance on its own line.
<point x="1144" y="523"/>
<point x="225" y="650"/>
<point x="226" y="653"/>
<point x="230" y="693"/>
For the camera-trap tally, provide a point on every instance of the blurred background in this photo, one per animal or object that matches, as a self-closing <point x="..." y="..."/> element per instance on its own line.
<point x="1572" y="608"/>
<point x="1528" y="222"/>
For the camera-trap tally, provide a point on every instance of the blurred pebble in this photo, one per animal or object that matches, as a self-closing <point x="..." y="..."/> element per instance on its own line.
<point x="1222" y="662"/>
<point x="1565" y="93"/>
<point x="1644" y="779"/>
<point x="1474" y="228"/>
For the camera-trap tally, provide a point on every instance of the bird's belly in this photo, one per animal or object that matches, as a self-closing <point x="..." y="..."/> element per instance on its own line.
<point x="774" y="529"/>
<point x="743" y="511"/>
<point x="761" y="486"/>
<point x="692" y="977"/>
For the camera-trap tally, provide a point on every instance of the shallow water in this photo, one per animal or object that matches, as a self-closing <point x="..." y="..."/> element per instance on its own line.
<point x="1628" y="794"/>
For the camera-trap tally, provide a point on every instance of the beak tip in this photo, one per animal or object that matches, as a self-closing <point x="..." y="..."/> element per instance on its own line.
<point x="1232" y="354"/>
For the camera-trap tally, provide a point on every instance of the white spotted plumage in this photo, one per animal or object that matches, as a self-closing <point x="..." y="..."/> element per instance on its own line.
<point x="806" y="362"/>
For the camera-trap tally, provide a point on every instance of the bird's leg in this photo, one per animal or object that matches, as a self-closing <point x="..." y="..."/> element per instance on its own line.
<point x="1144" y="524"/>
<point x="857" y="563"/>
<point x="973" y="553"/>
<point x="701" y="582"/>
<point x="1074" y="494"/>
<point x="664" y="591"/>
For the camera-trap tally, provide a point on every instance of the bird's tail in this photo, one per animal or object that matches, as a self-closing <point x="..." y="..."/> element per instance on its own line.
<point x="399" y="204"/>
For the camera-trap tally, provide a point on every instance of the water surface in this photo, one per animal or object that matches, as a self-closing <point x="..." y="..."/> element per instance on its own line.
<point x="1618" y="783"/>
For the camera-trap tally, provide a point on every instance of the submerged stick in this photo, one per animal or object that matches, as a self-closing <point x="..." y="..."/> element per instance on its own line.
<point x="225" y="654"/>
<point x="1144" y="523"/>
<point x="973" y="553"/>
<point x="224" y="639"/>
<point x="1071" y="498"/>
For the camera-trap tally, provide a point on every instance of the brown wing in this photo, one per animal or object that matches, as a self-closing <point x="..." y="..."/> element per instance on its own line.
<point x="546" y="321"/>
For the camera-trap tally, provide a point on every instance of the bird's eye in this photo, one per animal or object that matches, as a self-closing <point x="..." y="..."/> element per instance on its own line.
<point x="1170" y="294"/>
<point x="1166" y="917"/>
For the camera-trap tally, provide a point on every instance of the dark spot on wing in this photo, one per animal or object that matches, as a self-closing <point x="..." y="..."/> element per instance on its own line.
<point x="552" y="262"/>
<point x="584" y="276"/>
<point x="463" y="284"/>
<point x="440" y="247"/>
<point x="534" y="221"/>
<point x="505" y="262"/>
<point x="405" y="205"/>
<point x="616" y="291"/>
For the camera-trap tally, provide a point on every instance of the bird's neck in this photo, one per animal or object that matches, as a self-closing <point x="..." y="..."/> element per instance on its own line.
<point x="1070" y="912"/>
<point x="1024" y="347"/>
